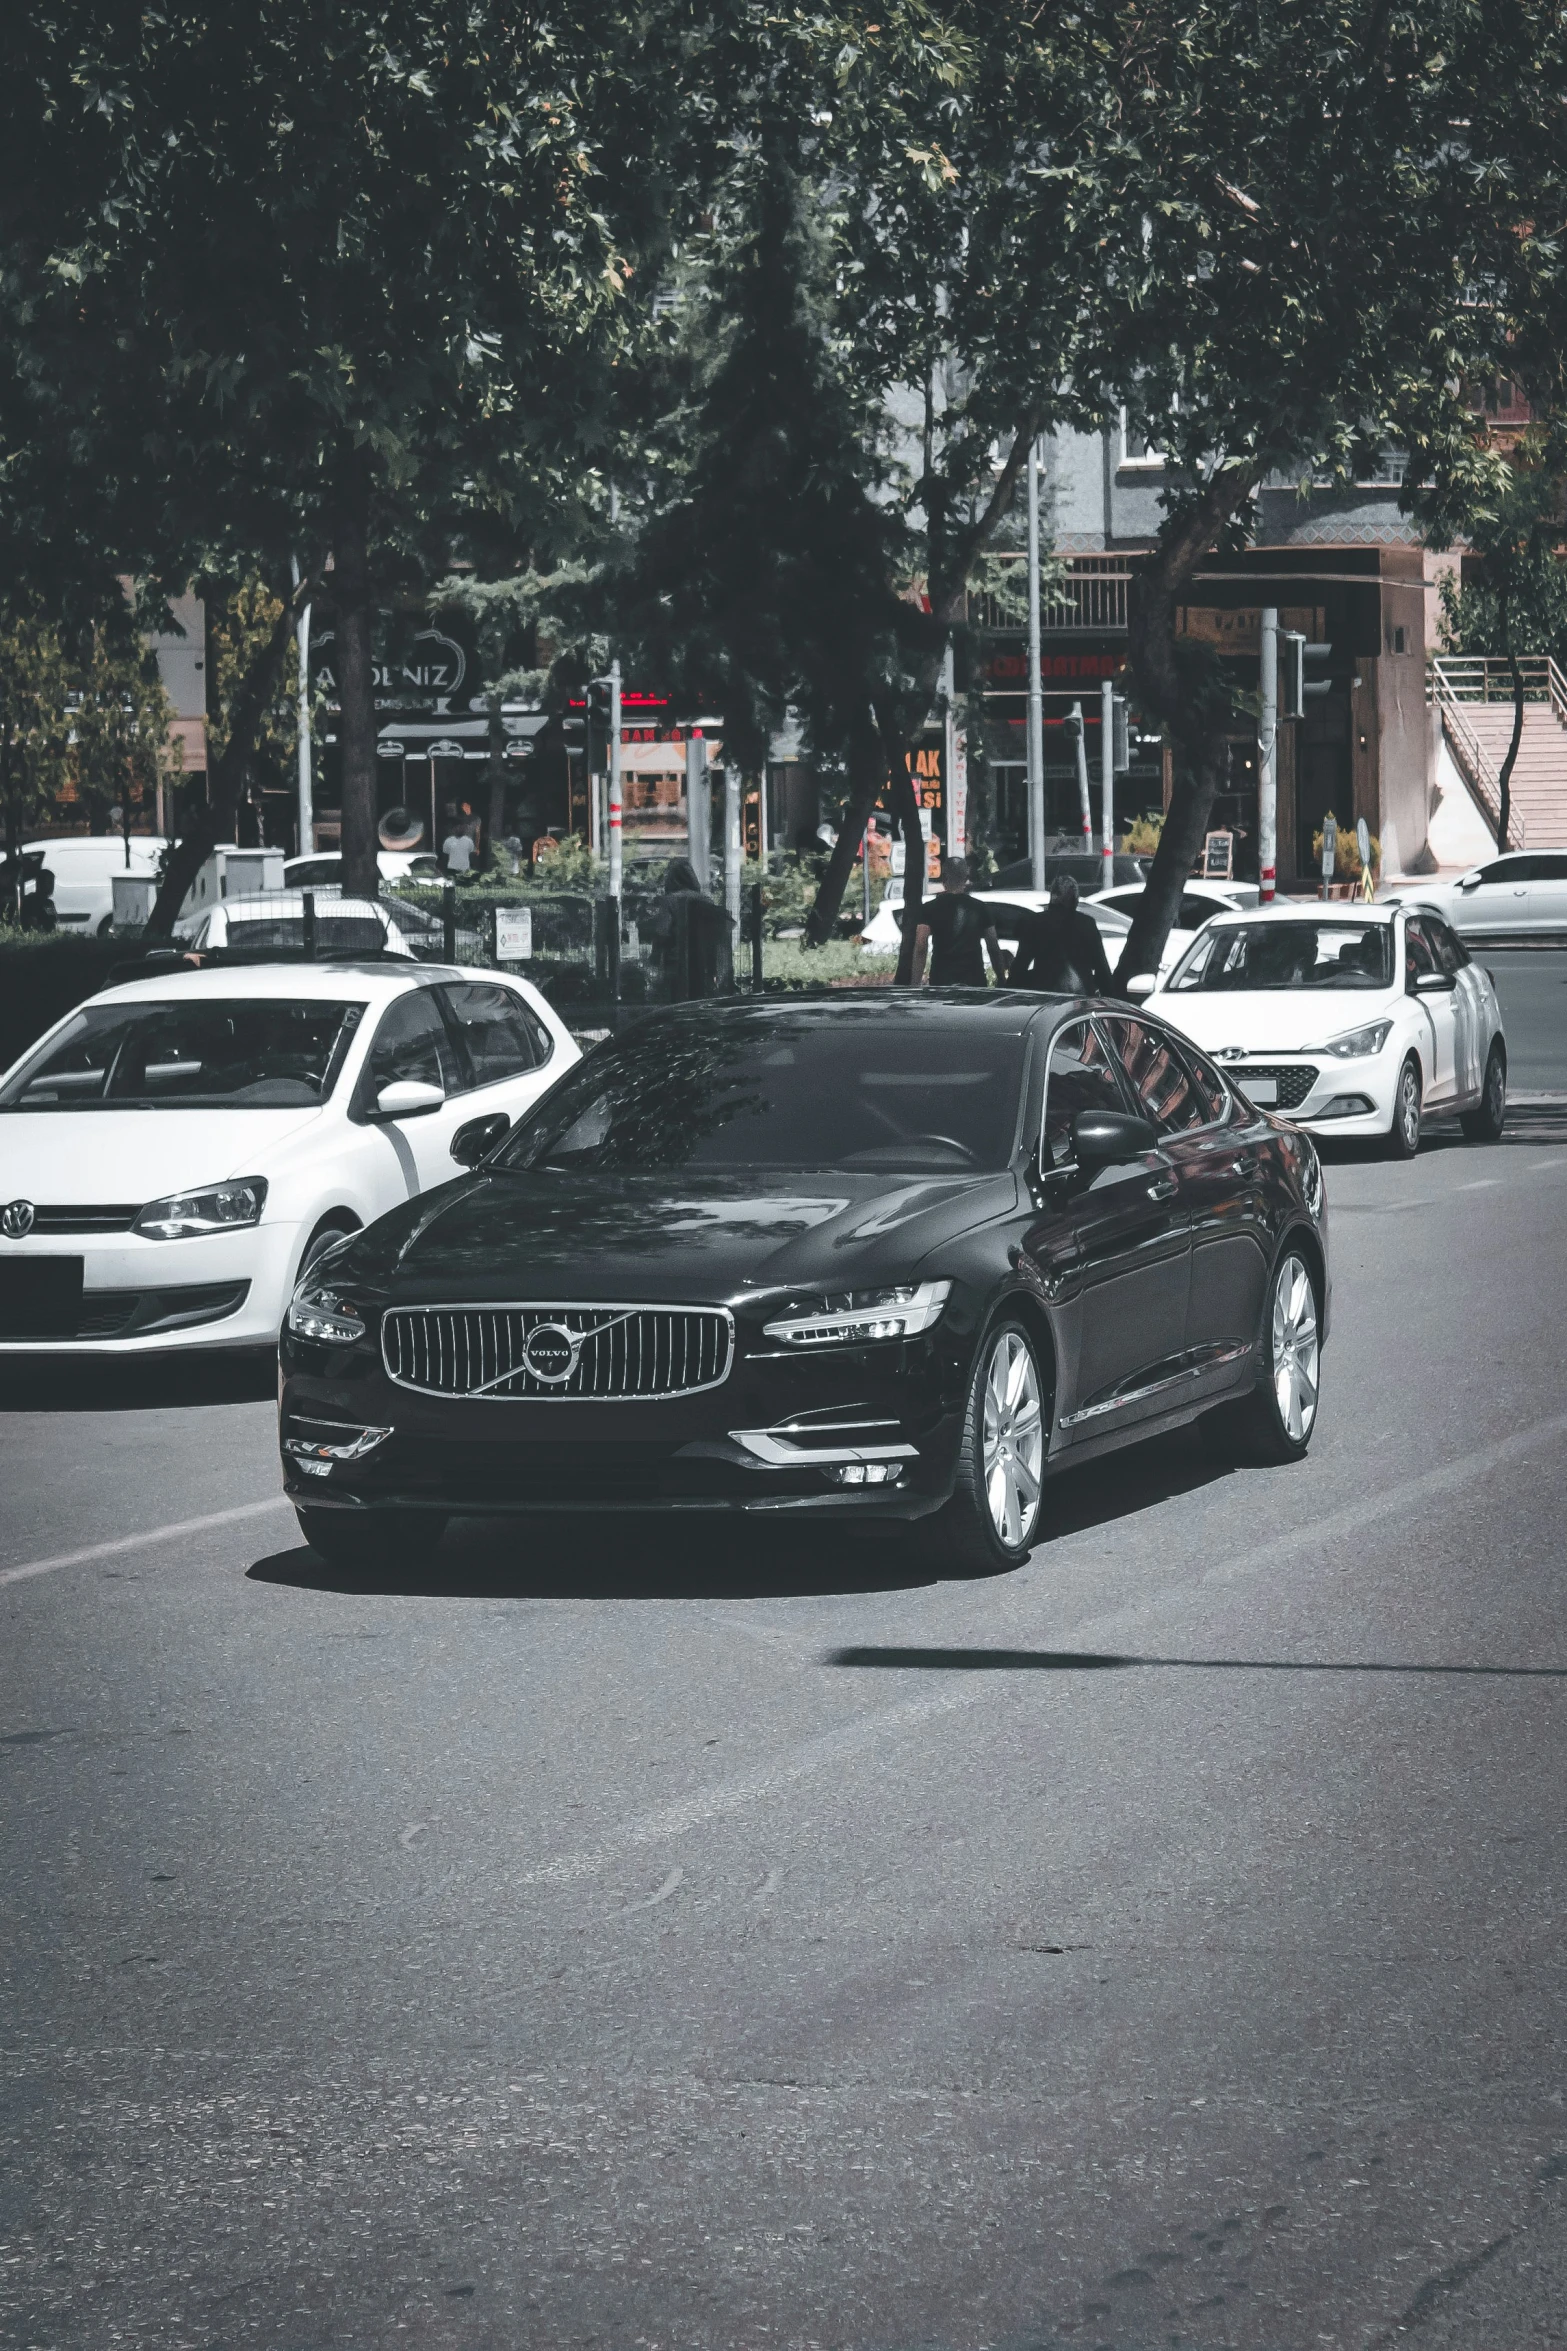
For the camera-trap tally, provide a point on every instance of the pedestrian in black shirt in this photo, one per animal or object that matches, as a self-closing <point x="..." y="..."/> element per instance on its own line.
<point x="1059" y="950"/>
<point x="955" y="927"/>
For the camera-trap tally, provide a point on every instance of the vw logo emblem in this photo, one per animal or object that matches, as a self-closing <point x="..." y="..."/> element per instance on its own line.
<point x="16" y="1219"/>
<point x="550" y="1352"/>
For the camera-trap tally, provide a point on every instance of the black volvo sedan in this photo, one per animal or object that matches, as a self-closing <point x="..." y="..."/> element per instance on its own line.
<point x="869" y="1255"/>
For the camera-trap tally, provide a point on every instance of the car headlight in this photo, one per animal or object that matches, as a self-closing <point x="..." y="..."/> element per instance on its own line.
<point x="852" y="1315"/>
<point x="1359" y="1044"/>
<point x="317" y="1311"/>
<point x="215" y="1209"/>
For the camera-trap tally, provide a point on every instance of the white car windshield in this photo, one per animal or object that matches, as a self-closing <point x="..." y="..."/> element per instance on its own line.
<point x="1282" y="955"/>
<point x="265" y="1053"/>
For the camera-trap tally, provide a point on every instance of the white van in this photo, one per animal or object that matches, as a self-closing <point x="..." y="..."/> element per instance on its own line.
<point x="84" y="866"/>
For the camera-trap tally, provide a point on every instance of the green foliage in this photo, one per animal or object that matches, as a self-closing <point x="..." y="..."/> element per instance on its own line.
<point x="1517" y="603"/>
<point x="35" y="724"/>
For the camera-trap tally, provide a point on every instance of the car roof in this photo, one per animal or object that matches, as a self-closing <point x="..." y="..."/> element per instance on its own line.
<point x="1315" y="910"/>
<point x="1012" y="1009"/>
<point x="257" y="905"/>
<point x="371" y="983"/>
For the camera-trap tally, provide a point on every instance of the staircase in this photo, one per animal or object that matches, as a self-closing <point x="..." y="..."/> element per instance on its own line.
<point x="1475" y="698"/>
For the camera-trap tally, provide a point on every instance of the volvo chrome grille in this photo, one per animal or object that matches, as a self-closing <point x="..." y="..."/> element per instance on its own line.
<point x="604" y="1354"/>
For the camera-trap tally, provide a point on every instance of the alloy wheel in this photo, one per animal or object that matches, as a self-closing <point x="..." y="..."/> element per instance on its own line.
<point x="1296" y="1349"/>
<point x="1013" y="1436"/>
<point x="1409" y="1108"/>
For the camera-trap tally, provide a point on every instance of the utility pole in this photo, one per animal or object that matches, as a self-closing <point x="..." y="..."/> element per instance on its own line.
<point x="1107" y="781"/>
<point x="1036" y="697"/>
<point x="733" y="846"/>
<point x="1082" y="779"/>
<point x="1267" y="759"/>
<point x="616" y="847"/>
<point x="699" y="846"/>
<point x="307" y="813"/>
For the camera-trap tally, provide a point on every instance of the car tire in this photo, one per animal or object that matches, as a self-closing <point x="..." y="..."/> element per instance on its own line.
<point x="992" y="1520"/>
<point x="1274" y="1424"/>
<point x="1403" y="1138"/>
<point x="1484" y="1123"/>
<point x="371" y="1542"/>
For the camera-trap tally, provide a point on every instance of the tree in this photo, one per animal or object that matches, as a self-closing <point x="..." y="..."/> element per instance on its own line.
<point x="119" y="719"/>
<point x="366" y="266"/>
<point x="35" y="727"/>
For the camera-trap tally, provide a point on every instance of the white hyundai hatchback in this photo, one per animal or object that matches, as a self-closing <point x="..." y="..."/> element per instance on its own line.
<point x="176" y="1151"/>
<point x="1351" y="1020"/>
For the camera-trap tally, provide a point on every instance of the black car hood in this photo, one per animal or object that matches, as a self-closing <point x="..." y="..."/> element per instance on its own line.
<point x="566" y="1237"/>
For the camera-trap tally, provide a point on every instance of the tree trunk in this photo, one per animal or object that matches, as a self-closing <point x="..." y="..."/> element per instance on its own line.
<point x="1504" y="782"/>
<point x="214" y="817"/>
<point x="867" y="775"/>
<point x="1183" y="686"/>
<point x="356" y="724"/>
<point x="947" y="597"/>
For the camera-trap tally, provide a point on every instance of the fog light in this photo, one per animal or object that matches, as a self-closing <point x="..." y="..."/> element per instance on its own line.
<point x="866" y="1473"/>
<point x="1346" y="1106"/>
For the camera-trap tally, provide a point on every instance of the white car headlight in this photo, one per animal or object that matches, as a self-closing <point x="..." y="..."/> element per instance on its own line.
<point x="215" y="1209"/>
<point x="1358" y="1044"/>
<point x="317" y="1311"/>
<point x="854" y="1315"/>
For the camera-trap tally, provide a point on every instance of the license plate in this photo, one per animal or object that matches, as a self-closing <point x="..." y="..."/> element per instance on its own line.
<point x="1262" y="1090"/>
<point x="40" y="1298"/>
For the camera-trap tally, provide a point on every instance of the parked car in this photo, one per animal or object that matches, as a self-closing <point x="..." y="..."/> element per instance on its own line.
<point x="871" y="1255"/>
<point x="323" y="868"/>
<point x="178" y="1150"/>
<point x="1356" y="1021"/>
<point x="343" y="926"/>
<point x="1520" y="896"/>
<point x="84" y="866"/>
<point x="1085" y="867"/>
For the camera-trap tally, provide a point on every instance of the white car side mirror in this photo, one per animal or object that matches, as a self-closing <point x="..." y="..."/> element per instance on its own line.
<point x="1469" y="881"/>
<point x="408" y="1098"/>
<point x="1140" y="986"/>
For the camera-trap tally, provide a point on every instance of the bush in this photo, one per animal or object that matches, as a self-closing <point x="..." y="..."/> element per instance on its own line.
<point x="45" y="974"/>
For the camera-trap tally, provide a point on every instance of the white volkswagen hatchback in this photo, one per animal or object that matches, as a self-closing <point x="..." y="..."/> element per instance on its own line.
<point x="176" y="1151"/>
<point x="1352" y="1020"/>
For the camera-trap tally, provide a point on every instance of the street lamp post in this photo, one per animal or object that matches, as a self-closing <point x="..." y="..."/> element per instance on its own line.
<point x="307" y="814"/>
<point x="615" y="812"/>
<point x="1107" y="781"/>
<point x="1036" y="700"/>
<point x="1267" y="759"/>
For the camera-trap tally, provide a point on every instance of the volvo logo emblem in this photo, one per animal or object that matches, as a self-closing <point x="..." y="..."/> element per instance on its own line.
<point x="550" y="1352"/>
<point x="17" y="1219"/>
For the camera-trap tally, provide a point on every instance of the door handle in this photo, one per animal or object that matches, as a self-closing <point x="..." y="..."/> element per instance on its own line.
<point x="1163" y="1188"/>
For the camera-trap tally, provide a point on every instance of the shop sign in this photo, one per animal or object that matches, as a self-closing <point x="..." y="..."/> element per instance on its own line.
<point x="1238" y="628"/>
<point x="1010" y="669"/>
<point x="513" y="934"/>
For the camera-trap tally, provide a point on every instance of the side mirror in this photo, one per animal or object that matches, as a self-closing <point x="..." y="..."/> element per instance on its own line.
<point x="1105" y="1138"/>
<point x="1141" y="984"/>
<point x="478" y="1138"/>
<point x="1434" y="983"/>
<point x="408" y="1098"/>
<point x="1469" y="881"/>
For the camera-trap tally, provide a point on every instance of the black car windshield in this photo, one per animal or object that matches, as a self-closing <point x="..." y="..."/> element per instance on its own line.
<point x="899" y="1091"/>
<point x="1275" y="955"/>
<point x="262" y="1053"/>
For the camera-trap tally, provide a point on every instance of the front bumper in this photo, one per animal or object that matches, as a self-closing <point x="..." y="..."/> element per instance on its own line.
<point x="1325" y="1096"/>
<point x="141" y="1297"/>
<point x="869" y="1431"/>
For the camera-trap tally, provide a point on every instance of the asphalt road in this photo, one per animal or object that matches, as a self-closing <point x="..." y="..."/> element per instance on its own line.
<point x="635" y="1944"/>
<point x="1532" y="985"/>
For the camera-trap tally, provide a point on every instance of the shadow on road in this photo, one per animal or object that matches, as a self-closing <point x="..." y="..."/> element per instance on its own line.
<point x="1098" y="1661"/>
<point x="146" y="1383"/>
<point x="1538" y="1125"/>
<point x="630" y="1558"/>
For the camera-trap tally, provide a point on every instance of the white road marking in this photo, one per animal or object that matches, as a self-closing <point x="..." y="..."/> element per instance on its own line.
<point x="841" y="1746"/>
<point x="168" y="1534"/>
<point x="676" y="1878"/>
<point x="705" y="1804"/>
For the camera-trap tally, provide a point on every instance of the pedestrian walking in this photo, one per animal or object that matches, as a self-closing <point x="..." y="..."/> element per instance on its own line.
<point x="1059" y="950"/>
<point x="958" y="932"/>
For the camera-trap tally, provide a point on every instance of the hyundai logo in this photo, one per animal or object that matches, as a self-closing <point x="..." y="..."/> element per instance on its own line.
<point x="17" y="1218"/>
<point x="550" y="1352"/>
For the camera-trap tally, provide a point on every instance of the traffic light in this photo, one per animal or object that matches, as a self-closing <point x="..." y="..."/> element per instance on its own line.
<point x="1292" y="674"/>
<point x="1120" y="737"/>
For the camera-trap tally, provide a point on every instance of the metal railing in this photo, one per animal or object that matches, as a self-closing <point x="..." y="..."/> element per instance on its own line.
<point x="1455" y="683"/>
<point x="1091" y="595"/>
